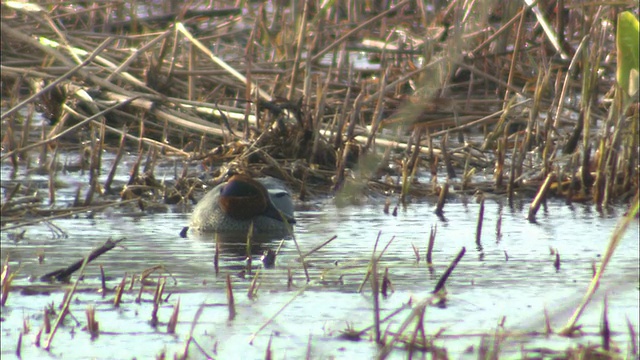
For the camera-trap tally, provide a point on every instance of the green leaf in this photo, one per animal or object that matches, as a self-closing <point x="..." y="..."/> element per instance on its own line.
<point x="627" y="43"/>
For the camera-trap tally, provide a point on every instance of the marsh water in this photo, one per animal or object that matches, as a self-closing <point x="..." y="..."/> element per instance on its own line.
<point x="503" y="284"/>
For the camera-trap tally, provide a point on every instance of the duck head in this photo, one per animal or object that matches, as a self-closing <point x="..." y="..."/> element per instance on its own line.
<point x="244" y="198"/>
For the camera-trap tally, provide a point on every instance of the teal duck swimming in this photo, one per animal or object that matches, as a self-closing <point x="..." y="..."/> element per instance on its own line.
<point x="232" y="206"/>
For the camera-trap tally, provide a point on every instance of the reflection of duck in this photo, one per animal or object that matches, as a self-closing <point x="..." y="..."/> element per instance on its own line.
<point x="232" y="206"/>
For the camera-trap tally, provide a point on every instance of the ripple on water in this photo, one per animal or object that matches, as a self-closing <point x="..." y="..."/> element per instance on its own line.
<point x="483" y="288"/>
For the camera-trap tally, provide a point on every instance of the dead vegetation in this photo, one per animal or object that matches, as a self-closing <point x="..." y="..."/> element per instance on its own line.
<point x="350" y="96"/>
<point x="345" y="100"/>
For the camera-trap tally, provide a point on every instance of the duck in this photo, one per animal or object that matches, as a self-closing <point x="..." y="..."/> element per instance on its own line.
<point x="234" y="205"/>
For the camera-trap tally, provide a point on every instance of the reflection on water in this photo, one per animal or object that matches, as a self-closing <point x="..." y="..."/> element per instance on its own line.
<point x="510" y="275"/>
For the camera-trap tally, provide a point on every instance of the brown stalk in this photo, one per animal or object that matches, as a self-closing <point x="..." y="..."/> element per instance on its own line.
<point x="605" y="331"/>
<point x="633" y="337"/>
<point x="253" y="336"/>
<point x="432" y="239"/>
<point x="416" y="252"/>
<point x="375" y="293"/>
<point x="302" y="31"/>
<point x="268" y="354"/>
<point x="542" y="193"/>
<point x="62" y="78"/>
<point x="364" y="24"/>
<point x="62" y="274"/>
<point x="157" y="298"/>
<point x="119" y="290"/>
<point x="173" y="320"/>
<point x="67" y="131"/>
<point x="441" y="199"/>
<point x="319" y="246"/>
<point x="479" y="224"/>
<point x="116" y="161"/>
<point x="252" y="291"/>
<point x="103" y="282"/>
<point x="443" y="279"/>
<point x="512" y="173"/>
<point x="375" y="246"/>
<point x="93" y="327"/>
<point x="65" y="305"/>
<point x="216" y="256"/>
<point x="139" y="297"/>
<point x="230" y="300"/>
<point x="19" y="346"/>
<point x="248" y="249"/>
<point x="387" y="285"/>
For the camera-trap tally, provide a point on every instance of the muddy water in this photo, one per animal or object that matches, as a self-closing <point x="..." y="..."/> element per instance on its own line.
<point x="511" y="277"/>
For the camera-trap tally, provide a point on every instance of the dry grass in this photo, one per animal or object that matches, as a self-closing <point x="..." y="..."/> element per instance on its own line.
<point x="448" y="92"/>
<point x="278" y="92"/>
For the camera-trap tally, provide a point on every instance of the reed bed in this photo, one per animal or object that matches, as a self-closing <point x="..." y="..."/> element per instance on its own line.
<point x="349" y="99"/>
<point x="405" y="99"/>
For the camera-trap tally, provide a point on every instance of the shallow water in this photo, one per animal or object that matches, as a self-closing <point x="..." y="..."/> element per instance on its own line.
<point x="485" y="286"/>
<point x="511" y="276"/>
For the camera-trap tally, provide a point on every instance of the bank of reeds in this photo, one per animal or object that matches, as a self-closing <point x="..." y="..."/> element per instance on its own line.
<point x="326" y="96"/>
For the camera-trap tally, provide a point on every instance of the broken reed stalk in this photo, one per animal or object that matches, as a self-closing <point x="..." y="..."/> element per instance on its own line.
<point x="248" y="248"/>
<point x="253" y="336"/>
<point x="252" y="291"/>
<point x="157" y="298"/>
<point x="47" y="320"/>
<point x="139" y="297"/>
<point x="19" y="346"/>
<point x="614" y="241"/>
<point x="416" y="252"/>
<point x="268" y="355"/>
<point x="512" y="172"/>
<point x="7" y="279"/>
<point x="173" y="320"/>
<point x="605" y="331"/>
<point x="116" y="161"/>
<point x="93" y="327"/>
<point x="418" y="329"/>
<point x="216" y="256"/>
<point x="479" y="224"/>
<point x="417" y="309"/>
<point x="432" y="240"/>
<point x="447" y="273"/>
<point x="65" y="305"/>
<point x="62" y="274"/>
<point x="308" y="354"/>
<point x="375" y="293"/>
<point x="230" y="300"/>
<point x="103" y="282"/>
<point x="320" y="246"/>
<point x="387" y="285"/>
<point x="304" y="264"/>
<point x="119" y="290"/>
<point x="194" y="322"/>
<point x="499" y="225"/>
<point x="634" y="339"/>
<point x="540" y="196"/>
<point x="441" y="199"/>
<point x="366" y="277"/>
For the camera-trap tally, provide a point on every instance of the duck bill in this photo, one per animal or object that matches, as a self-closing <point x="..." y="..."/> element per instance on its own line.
<point x="276" y="214"/>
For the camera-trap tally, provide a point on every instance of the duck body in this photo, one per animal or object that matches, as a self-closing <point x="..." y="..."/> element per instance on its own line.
<point x="231" y="207"/>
